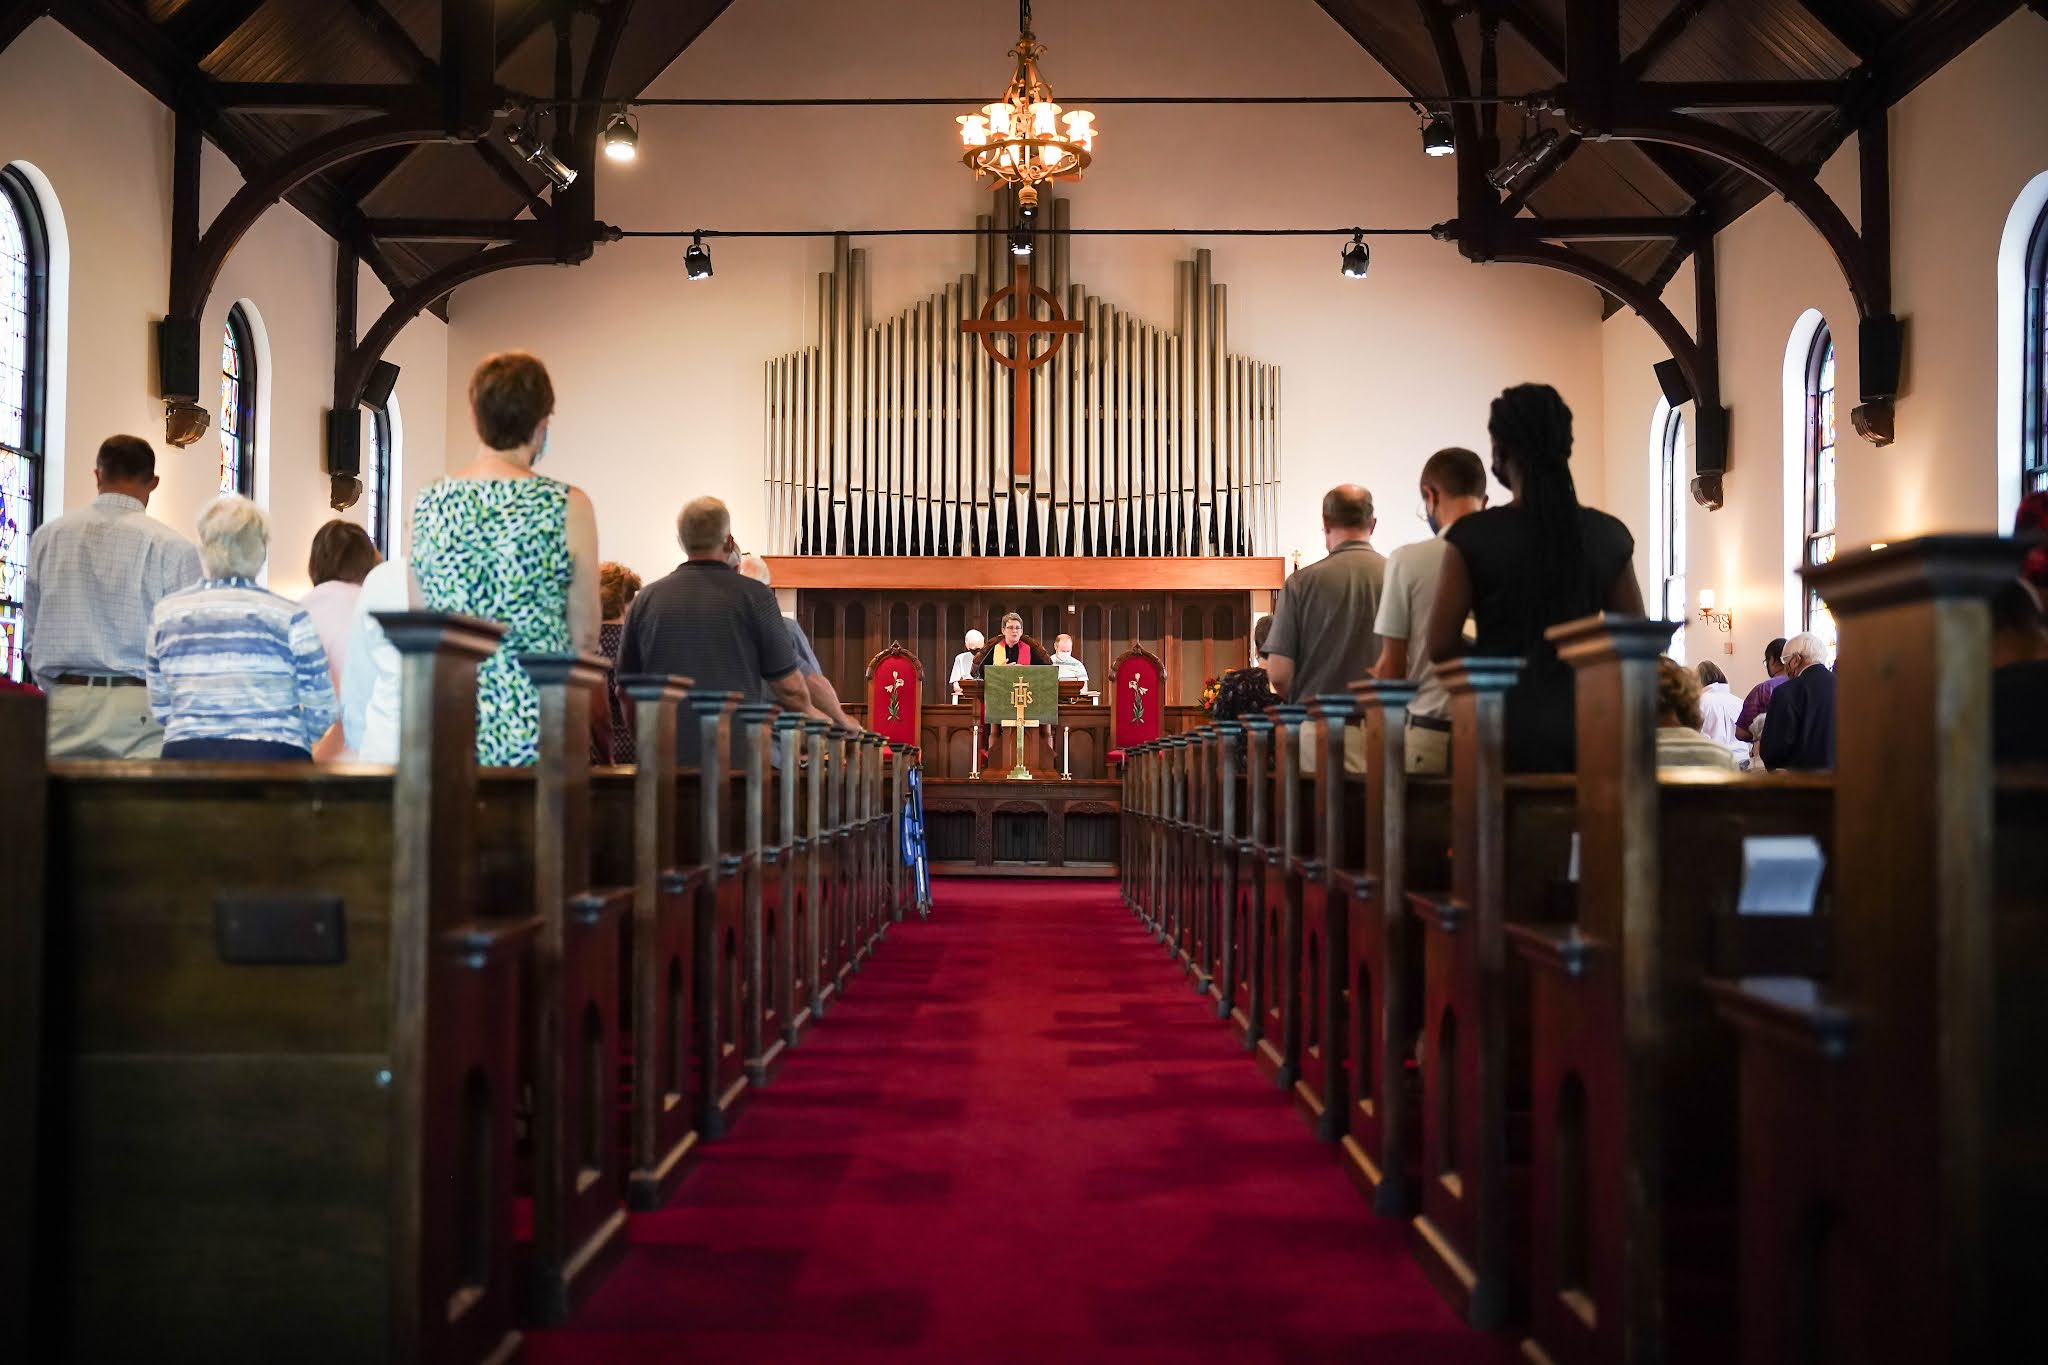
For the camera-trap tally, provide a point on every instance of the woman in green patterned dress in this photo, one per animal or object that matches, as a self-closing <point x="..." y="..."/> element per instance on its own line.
<point x="496" y="540"/>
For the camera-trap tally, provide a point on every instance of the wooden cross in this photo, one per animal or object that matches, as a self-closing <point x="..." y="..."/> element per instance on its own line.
<point x="1022" y="327"/>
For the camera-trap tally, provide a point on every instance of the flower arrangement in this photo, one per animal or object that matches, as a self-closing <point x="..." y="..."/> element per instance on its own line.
<point x="1211" y="689"/>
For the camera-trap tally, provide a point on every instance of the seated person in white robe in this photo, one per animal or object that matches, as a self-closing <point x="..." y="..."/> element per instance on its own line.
<point x="963" y="663"/>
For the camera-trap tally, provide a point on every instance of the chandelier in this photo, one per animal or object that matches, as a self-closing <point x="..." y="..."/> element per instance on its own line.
<point x="1024" y="139"/>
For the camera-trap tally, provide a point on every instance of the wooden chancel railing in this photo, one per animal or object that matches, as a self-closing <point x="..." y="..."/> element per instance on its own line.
<point x="894" y="437"/>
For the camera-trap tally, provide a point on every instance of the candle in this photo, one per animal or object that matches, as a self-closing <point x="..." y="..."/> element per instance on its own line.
<point x="1066" y="736"/>
<point x="974" y="754"/>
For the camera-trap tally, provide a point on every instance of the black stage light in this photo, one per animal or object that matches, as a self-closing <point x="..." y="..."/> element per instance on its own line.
<point x="1437" y="136"/>
<point x="1357" y="257"/>
<point x="1534" y="150"/>
<point x="697" y="258"/>
<point x="621" y="137"/>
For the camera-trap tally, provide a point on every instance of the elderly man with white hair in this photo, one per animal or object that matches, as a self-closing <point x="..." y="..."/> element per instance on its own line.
<point x="1799" y="728"/>
<point x="824" y="697"/>
<point x="963" y="663"/>
<point x="234" y="670"/>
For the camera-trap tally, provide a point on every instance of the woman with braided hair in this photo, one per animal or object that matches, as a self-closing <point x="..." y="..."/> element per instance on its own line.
<point x="1518" y="569"/>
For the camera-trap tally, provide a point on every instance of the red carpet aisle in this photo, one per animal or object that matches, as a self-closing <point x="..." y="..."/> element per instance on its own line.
<point x="1019" y="1138"/>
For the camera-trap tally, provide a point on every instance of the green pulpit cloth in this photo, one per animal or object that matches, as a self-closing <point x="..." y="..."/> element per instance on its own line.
<point x="1033" y="687"/>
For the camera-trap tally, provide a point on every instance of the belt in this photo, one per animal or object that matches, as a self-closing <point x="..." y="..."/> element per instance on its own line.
<point x="98" y="680"/>
<point x="1437" y="723"/>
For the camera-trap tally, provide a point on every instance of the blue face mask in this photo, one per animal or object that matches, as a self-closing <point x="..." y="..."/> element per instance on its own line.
<point x="540" y="451"/>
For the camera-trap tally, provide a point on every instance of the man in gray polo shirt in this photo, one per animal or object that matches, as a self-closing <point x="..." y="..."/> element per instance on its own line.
<point x="1453" y="486"/>
<point x="708" y="623"/>
<point x="1323" y="638"/>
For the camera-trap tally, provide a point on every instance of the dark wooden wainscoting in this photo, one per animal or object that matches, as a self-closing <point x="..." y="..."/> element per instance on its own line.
<point x="1022" y="829"/>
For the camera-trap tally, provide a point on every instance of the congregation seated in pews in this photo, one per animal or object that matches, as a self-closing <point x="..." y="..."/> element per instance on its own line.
<point x="1659" y="1059"/>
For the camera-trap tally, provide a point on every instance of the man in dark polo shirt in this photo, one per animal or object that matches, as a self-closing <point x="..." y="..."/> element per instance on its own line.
<point x="1322" y="638"/>
<point x="712" y="625"/>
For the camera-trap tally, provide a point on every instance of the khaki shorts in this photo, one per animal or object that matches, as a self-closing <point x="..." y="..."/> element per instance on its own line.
<point x="102" y="722"/>
<point x="1312" y="748"/>
<point x="1428" y="751"/>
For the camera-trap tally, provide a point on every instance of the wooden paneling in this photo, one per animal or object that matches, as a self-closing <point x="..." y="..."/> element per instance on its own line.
<point x="1199" y="633"/>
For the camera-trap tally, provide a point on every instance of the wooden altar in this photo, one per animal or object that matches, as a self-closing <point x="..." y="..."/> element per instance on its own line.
<point x="1195" y="613"/>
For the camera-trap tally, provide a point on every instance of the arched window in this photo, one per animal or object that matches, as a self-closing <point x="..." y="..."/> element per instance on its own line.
<point x="1820" y="478"/>
<point x="1671" y="499"/>
<point x="24" y="346"/>
<point x="237" y="406"/>
<point x="377" y="471"/>
<point x="2034" y="380"/>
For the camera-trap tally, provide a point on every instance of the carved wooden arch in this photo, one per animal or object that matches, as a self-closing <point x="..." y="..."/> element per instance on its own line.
<point x="894" y="650"/>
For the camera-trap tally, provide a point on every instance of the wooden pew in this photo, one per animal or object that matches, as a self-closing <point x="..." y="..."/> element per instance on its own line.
<point x="1475" y="1068"/>
<point x="654" y="824"/>
<point x="1633" y="1082"/>
<point x="1291" y="832"/>
<point x="1893" y="1121"/>
<point x="1406" y="824"/>
<point x="282" y="1053"/>
<point x="720" y="915"/>
<point x="821" y="981"/>
<point x="1250" y="1009"/>
<point x="791" y="852"/>
<point x="535" y="858"/>
<point x="1205" y="875"/>
<point x="1333" y="829"/>
<point x="1230" y="847"/>
<point x="23" y="796"/>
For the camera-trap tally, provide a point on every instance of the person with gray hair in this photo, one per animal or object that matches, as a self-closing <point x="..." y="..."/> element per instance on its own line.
<point x="713" y="625"/>
<point x="234" y="670"/>
<point x="963" y="663"/>
<point x="1799" y="727"/>
<point x="824" y="697"/>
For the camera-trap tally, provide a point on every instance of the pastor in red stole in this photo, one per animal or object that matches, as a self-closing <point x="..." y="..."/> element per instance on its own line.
<point x="1012" y="648"/>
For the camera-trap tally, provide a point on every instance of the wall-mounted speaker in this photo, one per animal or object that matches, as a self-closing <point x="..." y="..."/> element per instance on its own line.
<point x="1671" y="379"/>
<point x="177" y="358"/>
<point x="377" y="388"/>
<point x="345" y="441"/>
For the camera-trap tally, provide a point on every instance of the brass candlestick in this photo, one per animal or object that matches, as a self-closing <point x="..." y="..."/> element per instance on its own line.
<point x="1020" y="697"/>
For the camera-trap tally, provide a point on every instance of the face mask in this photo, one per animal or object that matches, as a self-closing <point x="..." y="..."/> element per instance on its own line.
<point x="540" y="451"/>
<point x="1429" y="518"/>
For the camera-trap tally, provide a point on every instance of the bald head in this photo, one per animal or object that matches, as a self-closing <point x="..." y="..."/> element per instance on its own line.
<point x="1347" y="514"/>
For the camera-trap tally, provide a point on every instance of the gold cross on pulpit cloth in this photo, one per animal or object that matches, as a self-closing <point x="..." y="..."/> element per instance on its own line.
<point x="1020" y="326"/>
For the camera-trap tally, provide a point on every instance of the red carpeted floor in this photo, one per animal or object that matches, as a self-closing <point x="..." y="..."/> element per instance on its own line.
<point x="1020" y="1137"/>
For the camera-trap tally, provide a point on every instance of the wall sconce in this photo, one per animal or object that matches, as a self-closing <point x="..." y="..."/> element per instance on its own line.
<point x="1723" y="621"/>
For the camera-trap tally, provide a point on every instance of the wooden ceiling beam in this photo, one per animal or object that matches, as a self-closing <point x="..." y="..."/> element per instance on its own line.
<point x="1669" y="30"/>
<point x="201" y="26"/>
<point x="396" y="40"/>
<point x="315" y="97"/>
<point x="457" y="229"/>
<point x="1857" y="25"/>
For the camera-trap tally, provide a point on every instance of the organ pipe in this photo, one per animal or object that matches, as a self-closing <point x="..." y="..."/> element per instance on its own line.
<point x="892" y="435"/>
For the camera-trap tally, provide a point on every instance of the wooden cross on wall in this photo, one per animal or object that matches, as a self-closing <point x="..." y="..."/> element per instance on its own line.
<point x="1021" y="326"/>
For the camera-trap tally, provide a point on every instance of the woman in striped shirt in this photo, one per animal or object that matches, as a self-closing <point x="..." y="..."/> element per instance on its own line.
<point x="236" y="671"/>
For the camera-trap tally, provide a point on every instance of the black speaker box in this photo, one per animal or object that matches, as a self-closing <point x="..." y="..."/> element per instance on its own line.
<point x="1671" y="379"/>
<point x="345" y="441"/>
<point x="377" y="388"/>
<point x="177" y="358"/>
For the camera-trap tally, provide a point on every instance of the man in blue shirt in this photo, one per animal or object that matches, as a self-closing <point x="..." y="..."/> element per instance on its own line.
<point x="94" y="577"/>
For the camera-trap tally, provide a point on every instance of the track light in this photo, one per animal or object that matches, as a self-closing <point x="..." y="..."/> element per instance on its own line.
<point x="1535" y="149"/>
<point x="622" y="137"/>
<point x="697" y="258"/>
<point x="1020" y="241"/>
<point x="534" y="150"/>
<point x="1357" y="257"/>
<point x="1437" y="136"/>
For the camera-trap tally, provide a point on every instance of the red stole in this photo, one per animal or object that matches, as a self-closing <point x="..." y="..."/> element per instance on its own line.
<point x="999" y="655"/>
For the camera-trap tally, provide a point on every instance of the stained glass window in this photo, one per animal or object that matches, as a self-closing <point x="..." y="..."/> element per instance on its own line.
<point x="24" y="301"/>
<point x="2034" y="382"/>
<point x="1820" y="477"/>
<point x="1671" y="488"/>
<point x="237" y="407"/>
<point x="377" y="480"/>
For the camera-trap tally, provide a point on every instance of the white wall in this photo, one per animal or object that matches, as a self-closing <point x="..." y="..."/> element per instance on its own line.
<point x="104" y="145"/>
<point x="1963" y="147"/>
<point x="659" y="380"/>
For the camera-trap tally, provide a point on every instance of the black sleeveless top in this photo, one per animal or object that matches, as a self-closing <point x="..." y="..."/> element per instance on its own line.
<point x="1512" y="609"/>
